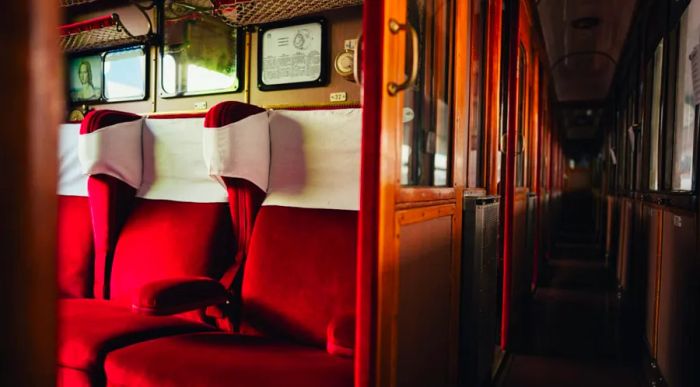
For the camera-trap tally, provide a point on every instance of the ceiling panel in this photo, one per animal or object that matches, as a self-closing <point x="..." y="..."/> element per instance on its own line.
<point x="583" y="60"/>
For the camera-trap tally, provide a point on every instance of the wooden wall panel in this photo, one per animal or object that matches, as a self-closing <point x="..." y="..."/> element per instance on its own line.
<point x="678" y="296"/>
<point x="653" y="221"/>
<point x="424" y="308"/>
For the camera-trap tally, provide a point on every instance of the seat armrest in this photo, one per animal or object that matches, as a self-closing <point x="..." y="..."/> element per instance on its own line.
<point x="340" y="336"/>
<point x="177" y="295"/>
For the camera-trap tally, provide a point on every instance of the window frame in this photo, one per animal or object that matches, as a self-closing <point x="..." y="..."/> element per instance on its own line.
<point x="102" y="53"/>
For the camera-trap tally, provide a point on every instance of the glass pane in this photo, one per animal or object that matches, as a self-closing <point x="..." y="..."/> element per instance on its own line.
<point x="125" y="74"/>
<point x="426" y="148"/>
<point x="200" y="54"/>
<point x="684" y="136"/>
<point x="85" y="75"/>
<point x="656" y="118"/>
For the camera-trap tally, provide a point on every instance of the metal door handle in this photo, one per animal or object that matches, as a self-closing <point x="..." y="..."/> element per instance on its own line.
<point x="395" y="27"/>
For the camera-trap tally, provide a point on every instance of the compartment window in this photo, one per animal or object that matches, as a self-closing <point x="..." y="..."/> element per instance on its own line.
<point x="200" y="55"/>
<point x="684" y="136"/>
<point x="656" y="117"/>
<point x="125" y="75"/>
<point x="112" y="76"/>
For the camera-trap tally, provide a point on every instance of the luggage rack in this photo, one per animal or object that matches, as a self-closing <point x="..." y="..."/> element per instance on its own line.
<point x="241" y="13"/>
<point x="70" y="3"/>
<point x="99" y="33"/>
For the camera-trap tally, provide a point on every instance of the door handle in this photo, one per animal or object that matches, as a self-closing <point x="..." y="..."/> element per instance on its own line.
<point x="395" y="27"/>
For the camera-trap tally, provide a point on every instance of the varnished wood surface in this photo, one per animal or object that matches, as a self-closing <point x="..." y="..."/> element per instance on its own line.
<point x="31" y="97"/>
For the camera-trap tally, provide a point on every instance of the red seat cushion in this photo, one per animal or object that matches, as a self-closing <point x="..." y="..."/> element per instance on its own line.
<point x="74" y="250"/>
<point x="300" y="273"/>
<point x="88" y="329"/>
<point x="166" y="239"/>
<point x="220" y="359"/>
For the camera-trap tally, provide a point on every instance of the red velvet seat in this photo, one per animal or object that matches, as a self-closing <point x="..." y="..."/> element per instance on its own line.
<point x="298" y="302"/>
<point x="91" y="328"/>
<point x="226" y="360"/>
<point x="143" y="236"/>
<point x="299" y="276"/>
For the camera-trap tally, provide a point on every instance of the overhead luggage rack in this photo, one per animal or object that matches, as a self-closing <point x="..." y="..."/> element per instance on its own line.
<point x="70" y="3"/>
<point x="98" y="33"/>
<point x="239" y="13"/>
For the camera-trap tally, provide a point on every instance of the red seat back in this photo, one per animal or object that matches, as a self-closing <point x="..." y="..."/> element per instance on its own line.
<point x="300" y="274"/>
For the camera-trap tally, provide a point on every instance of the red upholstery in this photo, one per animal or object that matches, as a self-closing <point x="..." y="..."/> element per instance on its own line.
<point x="298" y="283"/>
<point x="219" y="359"/>
<point x="179" y="295"/>
<point x="88" y="329"/>
<point x="166" y="239"/>
<point x="69" y="377"/>
<point x="244" y="197"/>
<point x="74" y="250"/>
<point x="301" y="272"/>
<point x="110" y="203"/>
<point x="340" y="336"/>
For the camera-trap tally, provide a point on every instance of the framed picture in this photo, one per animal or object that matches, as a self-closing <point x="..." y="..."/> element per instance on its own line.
<point x="293" y="55"/>
<point x="85" y="77"/>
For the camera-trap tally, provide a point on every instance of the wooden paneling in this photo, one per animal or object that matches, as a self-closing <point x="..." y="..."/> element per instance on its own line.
<point x="653" y="218"/>
<point x="32" y="99"/>
<point x="678" y="292"/>
<point x="425" y="302"/>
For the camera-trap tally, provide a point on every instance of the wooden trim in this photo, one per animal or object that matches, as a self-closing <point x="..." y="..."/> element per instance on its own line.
<point x="424" y="194"/>
<point x="417" y="215"/>
<point x="409" y="205"/>
<point x="492" y="96"/>
<point x="657" y="285"/>
<point x="461" y="86"/>
<point x="392" y="59"/>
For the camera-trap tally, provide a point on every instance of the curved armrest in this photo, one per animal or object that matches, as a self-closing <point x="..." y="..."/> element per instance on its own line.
<point x="340" y="336"/>
<point x="178" y="295"/>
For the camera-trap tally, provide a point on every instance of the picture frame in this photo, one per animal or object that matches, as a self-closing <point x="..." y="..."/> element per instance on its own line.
<point x="293" y="55"/>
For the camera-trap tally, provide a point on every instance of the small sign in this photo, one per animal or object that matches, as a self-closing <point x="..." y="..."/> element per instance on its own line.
<point x="340" y="96"/>
<point x="201" y="105"/>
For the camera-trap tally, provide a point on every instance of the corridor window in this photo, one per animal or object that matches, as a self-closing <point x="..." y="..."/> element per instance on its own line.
<point x="426" y="155"/>
<point x="655" y="126"/>
<point x="684" y="136"/>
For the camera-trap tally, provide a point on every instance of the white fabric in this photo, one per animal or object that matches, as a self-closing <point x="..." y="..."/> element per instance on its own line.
<point x="113" y="150"/>
<point x="240" y="149"/>
<point x="173" y="163"/>
<point x="71" y="180"/>
<point x="315" y="159"/>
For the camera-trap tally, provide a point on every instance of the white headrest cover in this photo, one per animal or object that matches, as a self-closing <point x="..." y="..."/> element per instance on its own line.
<point x="71" y="180"/>
<point x="240" y="149"/>
<point x="173" y="164"/>
<point x="315" y="160"/>
<point x="113" y="150"/>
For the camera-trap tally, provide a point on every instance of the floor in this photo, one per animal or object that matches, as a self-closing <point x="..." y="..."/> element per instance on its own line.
<point x="570" y="339"/>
